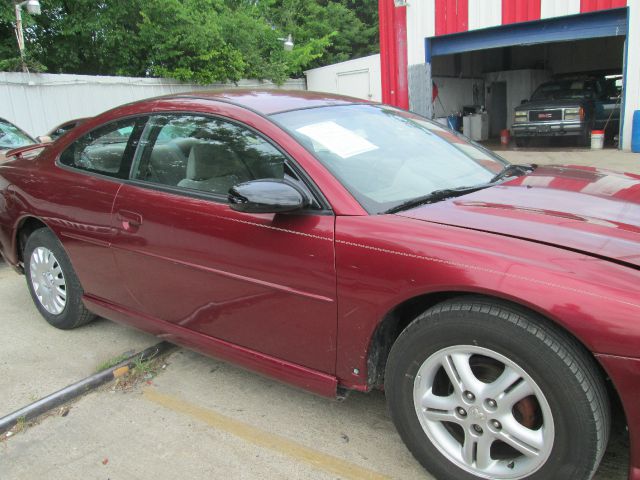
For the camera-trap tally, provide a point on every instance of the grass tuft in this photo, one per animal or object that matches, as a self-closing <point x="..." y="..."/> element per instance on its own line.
<point x="112" y="362"/>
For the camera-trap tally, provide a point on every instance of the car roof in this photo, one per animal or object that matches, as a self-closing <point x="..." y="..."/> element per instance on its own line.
<point x="268" y="102"/>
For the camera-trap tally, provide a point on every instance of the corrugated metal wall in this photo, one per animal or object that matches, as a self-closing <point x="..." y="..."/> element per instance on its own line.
<point x="39" y="102"/>
<point x="485" y="13"/>
<point x="420" y="25"/>
<point x="553" y="8"/>
<point x="593" y="5"/>
<point x="515" y="11"/>
<point x="452" y="16"/>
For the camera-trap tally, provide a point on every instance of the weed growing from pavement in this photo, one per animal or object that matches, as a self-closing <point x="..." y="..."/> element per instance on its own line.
<point x="112" y="362"/>
<point x="139" y="371"/>
<point x="21" y="424"/>
<point x="143" y="368"/>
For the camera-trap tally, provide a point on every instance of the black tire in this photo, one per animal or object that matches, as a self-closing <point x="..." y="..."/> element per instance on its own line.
<point x="74" y="313"/>
<point x="522" y="142"/>
<point x="584" y="139"/>
<point x="565" y="373"/>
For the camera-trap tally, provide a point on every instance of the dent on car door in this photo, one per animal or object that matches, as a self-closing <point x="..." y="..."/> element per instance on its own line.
<point x="93" y="167"/>
<point x="262" y="281"/>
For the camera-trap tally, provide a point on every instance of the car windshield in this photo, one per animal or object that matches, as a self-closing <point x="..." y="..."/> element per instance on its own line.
<point x="564" y="90"/>
<point x="12" y="137"/>
<point x="386" y="157"/>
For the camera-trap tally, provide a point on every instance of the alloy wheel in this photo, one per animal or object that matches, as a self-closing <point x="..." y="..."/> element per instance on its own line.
<point x="483" y="412"/>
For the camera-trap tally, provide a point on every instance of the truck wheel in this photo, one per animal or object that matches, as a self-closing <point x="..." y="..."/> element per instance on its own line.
<point x="54" y="286"/>
<point x="478" y="388"/>
<point x="584" y="139"/>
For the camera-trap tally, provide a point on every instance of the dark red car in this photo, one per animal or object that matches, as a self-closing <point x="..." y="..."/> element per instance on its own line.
<point x="339" y="245"/>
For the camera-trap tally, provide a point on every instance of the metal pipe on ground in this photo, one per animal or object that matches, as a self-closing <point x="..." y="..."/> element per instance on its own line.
<point x="77" y="389"/>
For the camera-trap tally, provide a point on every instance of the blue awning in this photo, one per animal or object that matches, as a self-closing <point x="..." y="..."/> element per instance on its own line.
<point x="606" y="23"/>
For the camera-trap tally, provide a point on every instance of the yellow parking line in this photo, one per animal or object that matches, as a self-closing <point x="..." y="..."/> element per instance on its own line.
<point x="264" y="439"/>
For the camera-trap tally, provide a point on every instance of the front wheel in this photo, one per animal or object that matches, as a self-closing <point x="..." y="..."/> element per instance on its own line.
<point x="483" y="389"/>
<point x="584" y="139"/>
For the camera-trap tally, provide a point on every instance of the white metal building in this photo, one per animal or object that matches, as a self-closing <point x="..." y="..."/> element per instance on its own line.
<point x="356" y="78"/>
<point x="496" y="52"/>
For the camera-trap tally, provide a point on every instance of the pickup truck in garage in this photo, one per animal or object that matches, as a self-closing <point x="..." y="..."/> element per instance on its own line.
<point x="569" y="108"/>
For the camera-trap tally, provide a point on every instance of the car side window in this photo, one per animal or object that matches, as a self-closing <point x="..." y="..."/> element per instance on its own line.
<point x="105" y="150"/>
<point x="206" y="154"/>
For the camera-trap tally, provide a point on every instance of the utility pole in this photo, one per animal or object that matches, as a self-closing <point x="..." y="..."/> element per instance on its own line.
<point x="33" y="7"/>
<point x="20" y="36"/>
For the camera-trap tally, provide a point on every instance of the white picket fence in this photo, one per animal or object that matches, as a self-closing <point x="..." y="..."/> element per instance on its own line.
<point x="39" y="102"/>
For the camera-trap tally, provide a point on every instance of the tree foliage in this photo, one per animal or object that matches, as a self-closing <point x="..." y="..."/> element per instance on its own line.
<point x="201" y="41"/>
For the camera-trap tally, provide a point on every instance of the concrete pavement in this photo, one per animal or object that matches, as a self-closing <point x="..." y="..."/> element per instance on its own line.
<point x="37" y="359"/>
<point x="608" y="158"/>
<point x="203" y="419"/>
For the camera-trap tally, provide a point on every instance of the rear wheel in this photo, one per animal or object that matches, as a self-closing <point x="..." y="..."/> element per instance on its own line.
<point x="482" y="389"/>
<point x="54" y="286"/>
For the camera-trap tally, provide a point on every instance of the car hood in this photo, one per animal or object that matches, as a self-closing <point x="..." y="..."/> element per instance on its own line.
<point x="584" y="209"/>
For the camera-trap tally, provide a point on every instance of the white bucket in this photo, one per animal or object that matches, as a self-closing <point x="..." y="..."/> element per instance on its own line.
<point x="597" y="139"/>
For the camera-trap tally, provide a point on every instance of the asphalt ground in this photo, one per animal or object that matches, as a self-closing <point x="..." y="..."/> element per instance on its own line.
<point x="195" y="417"/>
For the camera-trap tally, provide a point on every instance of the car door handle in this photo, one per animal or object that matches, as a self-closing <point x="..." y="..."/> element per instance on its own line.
<point x="130" y="221"/>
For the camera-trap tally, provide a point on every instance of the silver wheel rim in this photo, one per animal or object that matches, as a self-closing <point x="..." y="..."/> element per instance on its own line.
<point x="483" y="412"/>
<point x="47" y="280"/>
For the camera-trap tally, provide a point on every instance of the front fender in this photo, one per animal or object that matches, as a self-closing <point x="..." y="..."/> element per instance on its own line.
<point x="385" y="260"/>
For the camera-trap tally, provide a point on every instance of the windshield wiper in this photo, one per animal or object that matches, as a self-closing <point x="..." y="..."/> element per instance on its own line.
<point x="513" y="170"/>
<point x="436" y="196"/>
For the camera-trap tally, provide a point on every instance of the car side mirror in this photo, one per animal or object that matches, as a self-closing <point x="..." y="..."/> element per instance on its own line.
<point x="524" y="101"/>
<point x="266" y="196"/>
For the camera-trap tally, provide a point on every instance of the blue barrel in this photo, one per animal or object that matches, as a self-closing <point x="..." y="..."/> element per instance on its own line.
<point x="635" y="132"/>
<point x="455" y="122"/>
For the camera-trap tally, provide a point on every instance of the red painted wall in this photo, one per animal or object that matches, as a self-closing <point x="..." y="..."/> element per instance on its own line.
<point x="593" y="5"/>
<point x="452" y="16"/>
<point x="393" y="54"/>
<point x="514" y="11"/>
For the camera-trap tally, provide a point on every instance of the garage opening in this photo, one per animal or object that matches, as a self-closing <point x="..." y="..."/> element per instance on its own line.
<point x="549" y="83"/>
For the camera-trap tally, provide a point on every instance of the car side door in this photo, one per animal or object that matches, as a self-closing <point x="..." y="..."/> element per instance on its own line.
<point x="265" y="282"/>
<point x="87" y="175"/>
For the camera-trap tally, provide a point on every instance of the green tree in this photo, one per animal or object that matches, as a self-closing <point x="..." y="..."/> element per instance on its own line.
<point x="183" y="39"/>
<point x="193" y="40"/>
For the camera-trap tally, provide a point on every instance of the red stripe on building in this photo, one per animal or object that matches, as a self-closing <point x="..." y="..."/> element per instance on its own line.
<point x="452" y="16"/>
<point x="393" y="53"/>
<point x="441" y="17"/>
<point x="594" y="5"/>
<point x="514" y="11"/>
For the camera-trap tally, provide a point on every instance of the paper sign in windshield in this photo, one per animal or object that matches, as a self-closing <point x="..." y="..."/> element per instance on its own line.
<point x="337" y="139"/>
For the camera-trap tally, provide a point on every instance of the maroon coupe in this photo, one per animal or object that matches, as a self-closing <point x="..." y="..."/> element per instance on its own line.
<point x="341" y="245"/>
